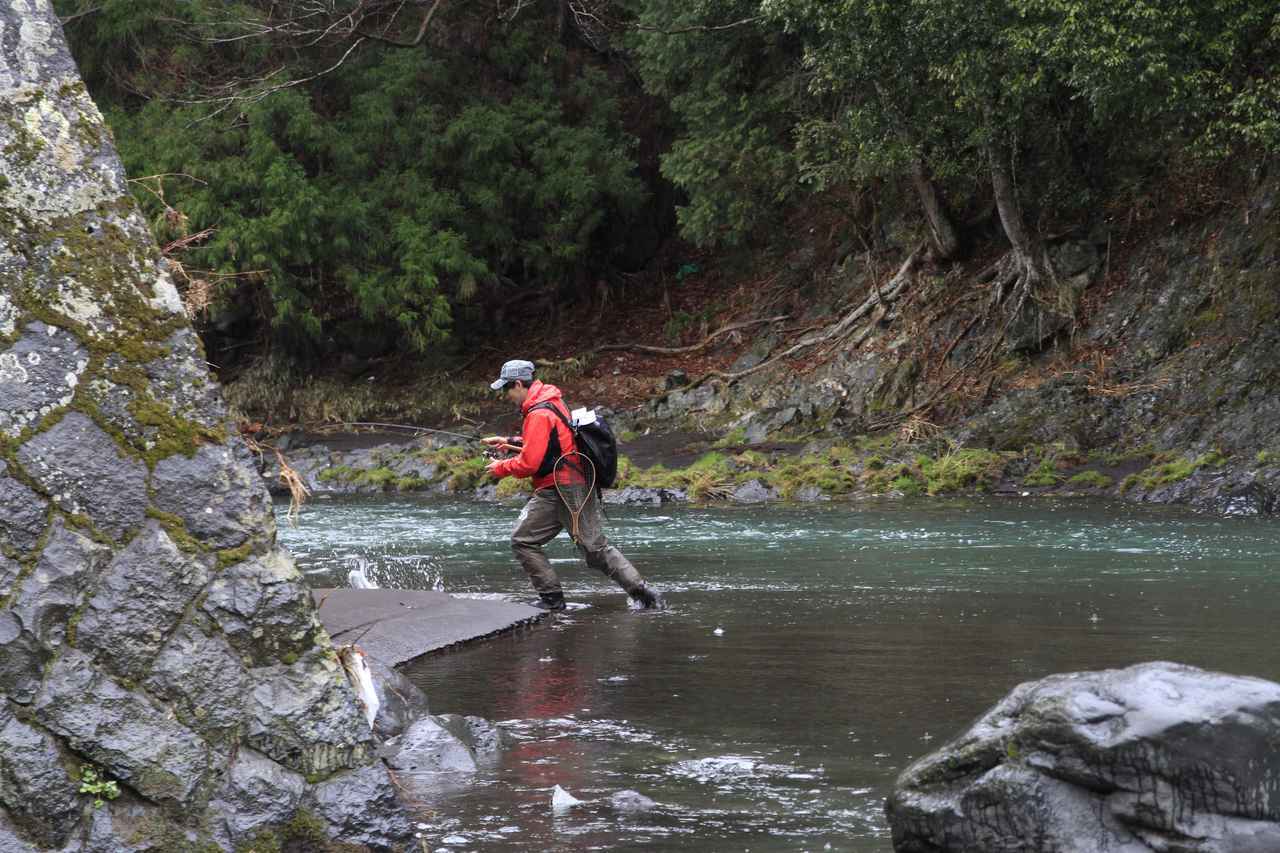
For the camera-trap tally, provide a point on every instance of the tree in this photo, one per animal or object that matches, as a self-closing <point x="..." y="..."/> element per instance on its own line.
<point x="735" y="85"/>
<point x="379" y="201"/>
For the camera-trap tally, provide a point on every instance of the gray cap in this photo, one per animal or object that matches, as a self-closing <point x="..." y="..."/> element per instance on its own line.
<point x="511" y="371"/>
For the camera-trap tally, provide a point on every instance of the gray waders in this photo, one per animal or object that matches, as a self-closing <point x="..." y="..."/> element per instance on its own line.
<point x="542" y="519"/>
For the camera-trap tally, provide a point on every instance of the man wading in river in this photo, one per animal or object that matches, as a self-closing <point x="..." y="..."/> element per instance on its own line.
<point x="563" y="492"/>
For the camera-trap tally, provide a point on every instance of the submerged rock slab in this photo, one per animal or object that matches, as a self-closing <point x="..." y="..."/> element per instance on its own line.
<point x="1157" y="756"/>
<point x="398" y="625"/>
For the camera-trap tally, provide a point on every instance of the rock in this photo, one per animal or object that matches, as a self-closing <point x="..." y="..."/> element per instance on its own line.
<point x="122" y="732"/>
<point x="756" y="354"/>
<point x="562" y="800"/>
<point x="410" y="464"/>
<point x="753" y="492"/>
<point x="1157" y="756"/>
<point x="264" y="608"/>
<point x="21" y="662"/>
<point x="100" y="375"/>
<point x="482" y="737"/>
<point x="129" y="616"/>
<point x="9" y="571"/>
<point x="55" y="590"/>
<point x="23" y="514"/>
<point x="1253" y="499"/>
<point x="79" y="464"/>
<point x="428" y="746"/>
<point x="215" y="493"/>
<point x="810" y="494"/>
<point x="361" y="807"/>
<point x="675" y="379"/>
<point x="485" y="737"/>
<point x="258" y="793"/>
<point x="639" y="496"/>
<point x="305" y="716"/>
<point x="38" y="376"/>
<point x="400" y="700"/>
<point x="631" y="802"/>
<point x="487" y="493"/>
<point x="181" y="380"/>
<point x="34" y="786"/>
<point x="203" y="679"/>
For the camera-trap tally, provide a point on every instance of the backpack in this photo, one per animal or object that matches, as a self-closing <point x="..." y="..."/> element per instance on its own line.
<point x="596" y="442"/>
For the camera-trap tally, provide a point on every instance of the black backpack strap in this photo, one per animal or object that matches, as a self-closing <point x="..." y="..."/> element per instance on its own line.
<point x="552" y="408"/>
<point x="573" y="432"/>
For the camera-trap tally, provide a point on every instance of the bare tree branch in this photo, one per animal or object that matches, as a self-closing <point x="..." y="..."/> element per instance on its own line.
<point x="422" y="30"/>
<point x="702" y="28"/>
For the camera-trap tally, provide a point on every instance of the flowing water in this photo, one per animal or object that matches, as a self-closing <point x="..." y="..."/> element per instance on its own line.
<point x="809" y="654"/>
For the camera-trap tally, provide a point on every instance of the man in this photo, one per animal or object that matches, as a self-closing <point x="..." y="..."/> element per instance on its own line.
<point x="563" y="493"/>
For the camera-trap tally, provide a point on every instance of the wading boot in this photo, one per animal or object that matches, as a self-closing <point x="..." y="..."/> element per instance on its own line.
<point x="550" y="601"/>
<point x="649" y="599"/>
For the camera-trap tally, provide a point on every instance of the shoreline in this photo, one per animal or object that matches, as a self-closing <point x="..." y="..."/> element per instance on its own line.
<point x="795" y="473"/>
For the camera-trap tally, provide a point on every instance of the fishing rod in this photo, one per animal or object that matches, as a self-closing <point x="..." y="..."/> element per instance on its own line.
<point x="411" y="428"/>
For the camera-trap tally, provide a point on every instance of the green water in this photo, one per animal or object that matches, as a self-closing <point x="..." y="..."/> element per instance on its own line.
<point x="853" y="639"/>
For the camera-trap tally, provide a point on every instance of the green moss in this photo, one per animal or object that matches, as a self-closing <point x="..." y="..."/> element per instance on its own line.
<point x="1091" y="479"/>
<point x="231" y="556"/>
<point x="339" y="473"/>
<point x="509" y="487"/>
<point x="25" y="146"/>
<point x="908" y="485"/>
<point x="1174" y="471"/>
<point x="176" y="529"/>
<point x="1045" y="474"/>
<point x="1265" y="457"/>
<point x="734" y="438"/>
<point x="962" y="469"/>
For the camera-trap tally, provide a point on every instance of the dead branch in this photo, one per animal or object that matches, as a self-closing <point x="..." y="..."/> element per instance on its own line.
<point x="417" y="40"/>
<point x="578" y="359"/>
<point x="841" y="327"/>
<point x="298" y="491"/>
<point x="702" y="28"/>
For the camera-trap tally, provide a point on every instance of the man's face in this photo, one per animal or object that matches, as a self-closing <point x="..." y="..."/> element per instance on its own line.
<point x="516" y="392"/>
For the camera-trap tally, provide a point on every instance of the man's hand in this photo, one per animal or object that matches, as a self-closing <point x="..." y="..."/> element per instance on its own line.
<point x="489" y="469"/>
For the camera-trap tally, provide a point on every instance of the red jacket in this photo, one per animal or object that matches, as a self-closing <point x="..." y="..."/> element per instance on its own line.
<point x="546" y="439"/>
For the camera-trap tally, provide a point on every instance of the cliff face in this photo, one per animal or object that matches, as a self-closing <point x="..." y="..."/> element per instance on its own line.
<point x="150" y="628"/>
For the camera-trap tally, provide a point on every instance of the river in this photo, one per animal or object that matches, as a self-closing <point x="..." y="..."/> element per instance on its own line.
<point x="809" y="653"/>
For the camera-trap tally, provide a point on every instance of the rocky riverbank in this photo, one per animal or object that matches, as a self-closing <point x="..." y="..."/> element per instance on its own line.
<point x="816" y="470"/>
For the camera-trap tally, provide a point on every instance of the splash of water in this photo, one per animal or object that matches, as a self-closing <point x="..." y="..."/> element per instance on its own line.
<point x="415" y="573"/>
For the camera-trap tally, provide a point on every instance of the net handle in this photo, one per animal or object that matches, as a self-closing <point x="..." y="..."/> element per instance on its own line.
<point x="574" y="514"/>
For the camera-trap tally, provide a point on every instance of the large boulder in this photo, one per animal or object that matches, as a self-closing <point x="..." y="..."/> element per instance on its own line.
<point x="149" y="625"/>
<point x="1155" y="757"/>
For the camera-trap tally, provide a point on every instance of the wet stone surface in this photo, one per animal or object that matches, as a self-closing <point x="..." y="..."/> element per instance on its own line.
<point x="129" y="615"/>
<point x="79" y="464"/>
<point x="38" y="375"/>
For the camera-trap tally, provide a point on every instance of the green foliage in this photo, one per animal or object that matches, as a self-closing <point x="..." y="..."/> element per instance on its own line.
<point x="92" y="782"/>
<point x="735" y="92"/>
<point x="380" y="200"/>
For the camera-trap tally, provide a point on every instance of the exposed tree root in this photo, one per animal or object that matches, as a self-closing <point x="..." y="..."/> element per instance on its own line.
<point x="838" y="330"/>
<point x="653" y="350"/>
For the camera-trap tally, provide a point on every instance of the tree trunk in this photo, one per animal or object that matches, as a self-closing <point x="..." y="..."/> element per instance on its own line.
<point x="946" y="242"/>
<point x="149" y="624"/>
<point x="1028" y="266"/>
